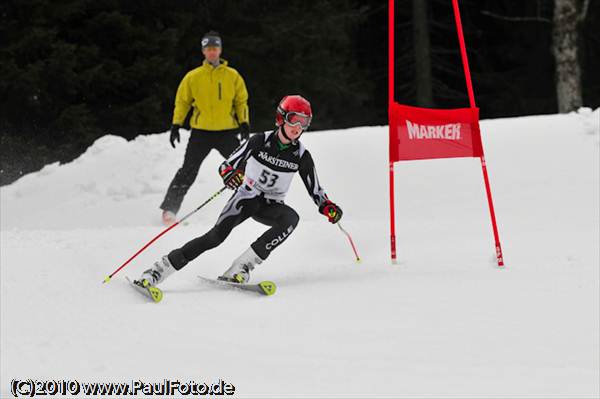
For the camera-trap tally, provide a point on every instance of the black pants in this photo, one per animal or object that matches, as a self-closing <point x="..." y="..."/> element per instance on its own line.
<point x="243" y="204"/>
<point x="198" y="147"/>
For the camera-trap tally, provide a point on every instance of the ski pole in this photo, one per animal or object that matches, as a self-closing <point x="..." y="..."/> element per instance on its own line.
<point x="351" y="242"/>
<point x="212" y="197"/>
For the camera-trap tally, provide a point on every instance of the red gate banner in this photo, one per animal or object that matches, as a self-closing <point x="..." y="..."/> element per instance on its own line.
<point x="424" y="133"/>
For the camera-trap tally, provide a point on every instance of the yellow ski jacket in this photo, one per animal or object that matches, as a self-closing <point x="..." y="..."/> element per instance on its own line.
<point x="218" y="96"/>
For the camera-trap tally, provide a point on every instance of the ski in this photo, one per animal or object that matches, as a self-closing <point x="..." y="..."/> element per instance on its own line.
<point x="264" y="287"/>
<point x="153" y="293"/>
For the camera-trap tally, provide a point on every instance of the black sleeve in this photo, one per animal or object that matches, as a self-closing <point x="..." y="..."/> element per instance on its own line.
<point x="238" y="158"/>
<point x="310" y="179"/>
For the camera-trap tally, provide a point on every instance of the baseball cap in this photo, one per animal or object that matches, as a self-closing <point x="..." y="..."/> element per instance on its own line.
<point x="211" y="39"/>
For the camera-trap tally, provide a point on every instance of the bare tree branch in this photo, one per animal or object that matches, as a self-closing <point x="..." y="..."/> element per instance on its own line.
<point x="516" y="19"/>
<point x="584" y="10"/>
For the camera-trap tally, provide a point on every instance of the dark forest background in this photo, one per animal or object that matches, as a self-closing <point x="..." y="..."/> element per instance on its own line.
<point x="72" y="71"/>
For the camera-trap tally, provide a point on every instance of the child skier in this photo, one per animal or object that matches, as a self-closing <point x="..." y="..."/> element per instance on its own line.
<point x="260" y="171"/>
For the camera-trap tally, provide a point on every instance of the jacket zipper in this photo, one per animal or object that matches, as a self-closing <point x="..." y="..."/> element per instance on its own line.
<point x="219" y="90"/>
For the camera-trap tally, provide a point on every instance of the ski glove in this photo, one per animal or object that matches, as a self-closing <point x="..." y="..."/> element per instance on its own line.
<point x="232" y="178"/>
<point x="332" y="211"/>
<point x="174" y="135"/>
<point x="244" y="131"/>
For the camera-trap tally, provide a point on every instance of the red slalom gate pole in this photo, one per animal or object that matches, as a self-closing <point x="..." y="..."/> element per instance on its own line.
<point x="215" y="195"/>
<point x="391" y="34"/>
<point x="465" y="61"/>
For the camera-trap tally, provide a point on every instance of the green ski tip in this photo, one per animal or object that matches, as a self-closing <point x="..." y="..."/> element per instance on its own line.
<point x="155" y="293"/>
<point x="268" y="287"/>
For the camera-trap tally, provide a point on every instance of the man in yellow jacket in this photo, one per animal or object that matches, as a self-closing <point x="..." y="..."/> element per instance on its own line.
<point x="217" y="95"/>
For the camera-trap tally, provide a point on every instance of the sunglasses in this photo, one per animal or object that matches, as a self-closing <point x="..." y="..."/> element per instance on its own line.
<point x="298" y="119"/>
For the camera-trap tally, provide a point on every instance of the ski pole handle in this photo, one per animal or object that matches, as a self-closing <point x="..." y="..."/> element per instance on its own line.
<point x="212" y="197"/>
<point x="351" y="242"/>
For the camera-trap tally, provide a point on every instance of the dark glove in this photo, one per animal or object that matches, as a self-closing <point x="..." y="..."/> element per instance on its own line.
<point x="244" y="131"/>
<point x="332" y="211"/>
<point x="174" y="135"/>
<point x="232" y="178"/>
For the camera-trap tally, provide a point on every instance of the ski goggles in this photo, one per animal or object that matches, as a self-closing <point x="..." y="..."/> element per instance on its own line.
<point x="298" y="119"/>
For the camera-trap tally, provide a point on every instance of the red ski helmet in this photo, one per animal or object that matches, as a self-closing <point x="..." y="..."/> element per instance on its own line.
<point x="295" y="110"/>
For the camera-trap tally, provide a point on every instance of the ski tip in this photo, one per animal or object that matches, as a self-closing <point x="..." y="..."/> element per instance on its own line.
<point x="155" y="293"/>
<point x="268" y="287"/>
<point x="106" y="280"/>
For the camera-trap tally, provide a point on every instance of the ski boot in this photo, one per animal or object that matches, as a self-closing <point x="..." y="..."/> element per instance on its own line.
<point x="146" y="285"/>
<point x="239" y="272"/>
<point x="157" y="274"/>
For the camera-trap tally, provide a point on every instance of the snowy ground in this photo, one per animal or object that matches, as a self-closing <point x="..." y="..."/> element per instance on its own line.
<point x="444" y="322"/>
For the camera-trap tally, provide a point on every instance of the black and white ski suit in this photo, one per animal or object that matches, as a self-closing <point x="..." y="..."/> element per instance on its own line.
<point x="268" y="172"/>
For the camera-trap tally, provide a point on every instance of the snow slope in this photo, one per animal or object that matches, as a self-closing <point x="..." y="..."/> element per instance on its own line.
<point x="444" y="322"/>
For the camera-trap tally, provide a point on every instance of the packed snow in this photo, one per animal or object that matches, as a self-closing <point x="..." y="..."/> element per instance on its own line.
<point x="444" y="322"/>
